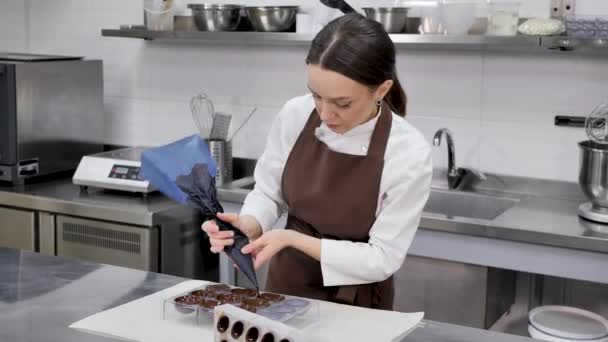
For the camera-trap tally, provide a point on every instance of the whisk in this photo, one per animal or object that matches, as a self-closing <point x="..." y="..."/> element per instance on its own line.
<point x="595" y="124"/>
<point x="203" y="113"/>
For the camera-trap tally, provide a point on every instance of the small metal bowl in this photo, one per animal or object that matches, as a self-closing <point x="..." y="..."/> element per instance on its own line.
<point x="216" y="17"/>
<point x="272" y="18"/>
<point x="393" y="19"/>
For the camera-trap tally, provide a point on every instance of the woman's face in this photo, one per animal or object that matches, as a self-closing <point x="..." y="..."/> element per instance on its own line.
<point x="342" y="103"/>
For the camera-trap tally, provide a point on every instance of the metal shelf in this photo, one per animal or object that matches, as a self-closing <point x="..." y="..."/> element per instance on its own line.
<point x="283" y="38"/>
<point x="474" y="42"/>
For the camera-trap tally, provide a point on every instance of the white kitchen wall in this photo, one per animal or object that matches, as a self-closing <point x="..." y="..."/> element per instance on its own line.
<point x="499" y="105"/>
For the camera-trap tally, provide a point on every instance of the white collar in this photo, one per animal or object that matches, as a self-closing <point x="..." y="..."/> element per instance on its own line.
<point x="363" y="129"/>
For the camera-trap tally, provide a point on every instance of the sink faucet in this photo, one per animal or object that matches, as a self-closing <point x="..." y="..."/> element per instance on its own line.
<point x="458" y="178"/>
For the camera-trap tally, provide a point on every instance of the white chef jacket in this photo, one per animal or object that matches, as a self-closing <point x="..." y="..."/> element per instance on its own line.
<point x="404" y="190"/>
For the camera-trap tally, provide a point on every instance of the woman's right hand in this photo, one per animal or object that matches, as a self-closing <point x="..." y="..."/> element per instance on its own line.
<point x="220" y="239"/>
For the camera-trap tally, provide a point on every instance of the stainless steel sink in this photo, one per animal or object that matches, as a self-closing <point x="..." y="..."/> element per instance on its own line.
<point x="467" y="205"/>
<point x="450" y="203"/>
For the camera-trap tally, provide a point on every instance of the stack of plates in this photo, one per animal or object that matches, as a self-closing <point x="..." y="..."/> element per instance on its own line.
<point x="567" y="324"/>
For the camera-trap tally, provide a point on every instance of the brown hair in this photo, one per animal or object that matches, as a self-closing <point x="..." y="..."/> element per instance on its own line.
<point x="360" y="49"/>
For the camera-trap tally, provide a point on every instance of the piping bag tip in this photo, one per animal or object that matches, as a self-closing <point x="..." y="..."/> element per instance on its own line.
<point x="243" y="261"/>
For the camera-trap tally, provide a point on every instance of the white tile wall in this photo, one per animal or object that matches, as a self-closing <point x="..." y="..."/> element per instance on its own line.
<point x="500" y="106"/>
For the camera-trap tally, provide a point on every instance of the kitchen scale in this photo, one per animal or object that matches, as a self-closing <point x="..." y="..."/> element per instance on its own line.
<point x="114" y="170"/>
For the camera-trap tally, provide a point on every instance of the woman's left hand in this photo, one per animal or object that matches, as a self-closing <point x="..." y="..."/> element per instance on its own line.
<point x="266" y="246"/>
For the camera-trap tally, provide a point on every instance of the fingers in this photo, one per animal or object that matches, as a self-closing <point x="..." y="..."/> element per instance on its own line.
<point x="263" y="256"/>
<point x="210" y="227"/>
<point x="228" y="217"/>
<point x="254" y="246"/>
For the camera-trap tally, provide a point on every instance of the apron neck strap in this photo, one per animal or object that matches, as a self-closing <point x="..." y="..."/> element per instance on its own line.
<point x="379" y="139"/>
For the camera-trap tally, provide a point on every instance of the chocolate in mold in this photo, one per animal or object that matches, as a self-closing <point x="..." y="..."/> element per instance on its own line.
<point x="268" y="337"/>
<point x="272" y="297"/>
<point x="252" y="334"/>
<point x="237" y="330"/>
<point x="222" y="324"/>
<point x="217" y="288"/>
<point x="245" y="292"/>
<point x="256" y="302"/>
<point x="199" y="293"/>
<point x="208" y="303"/>
<point x="228" y="298"/>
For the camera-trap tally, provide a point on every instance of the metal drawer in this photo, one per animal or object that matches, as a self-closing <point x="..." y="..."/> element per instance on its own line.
<point x="109" y="243"/>
<point x="17" y="229"/>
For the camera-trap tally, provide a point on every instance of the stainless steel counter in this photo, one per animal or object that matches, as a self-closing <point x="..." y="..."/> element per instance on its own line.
<point x="40" y="296"/>
<point x="545" y="213"/>
<point x="62" y="197"/>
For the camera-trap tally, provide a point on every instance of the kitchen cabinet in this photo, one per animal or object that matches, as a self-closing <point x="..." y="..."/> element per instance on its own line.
<point x="454" y="292"/>
<point x="108" y="243"/>
<point x="17" y="229"/>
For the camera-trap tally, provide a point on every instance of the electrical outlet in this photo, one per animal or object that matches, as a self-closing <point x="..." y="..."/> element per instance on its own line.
<point x="562" y="8"/>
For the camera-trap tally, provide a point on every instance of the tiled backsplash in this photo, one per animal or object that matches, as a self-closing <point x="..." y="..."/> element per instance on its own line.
<point x="500" y="106"/>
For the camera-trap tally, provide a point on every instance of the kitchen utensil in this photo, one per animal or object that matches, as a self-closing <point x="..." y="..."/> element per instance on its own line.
<point x="595" y="124"/>
<point x="216" y="17"/>
<point x="503" y="19"/>
<point x="249" y="116"/>
<point x="272" y="18"/>
<point x="457" y="17"/>
<point x="430" y="19"/>
<point x="185" y="172"/>
<point x="159" y="14"/>
<point x="203" y="112"/>
<point x="221" y="152"/>
<point x="341" y="5"/>
<point x="593" y="180"/>
<point x="220" y="126"/>
<point x="393" y="19"/>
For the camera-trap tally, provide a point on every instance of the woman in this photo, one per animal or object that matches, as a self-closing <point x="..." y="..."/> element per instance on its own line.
<point x="352" y="174"/>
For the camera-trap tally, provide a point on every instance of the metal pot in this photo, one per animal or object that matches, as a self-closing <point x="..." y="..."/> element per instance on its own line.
<point x="216" y="17"/>
<point x="394" y="19"/>
<point x="272" y="18"/>
<point x="593" y="172"/>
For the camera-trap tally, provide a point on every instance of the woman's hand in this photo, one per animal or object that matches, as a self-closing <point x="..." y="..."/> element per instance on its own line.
<point x="269" y="244"/>
<point x="220" y="239"/>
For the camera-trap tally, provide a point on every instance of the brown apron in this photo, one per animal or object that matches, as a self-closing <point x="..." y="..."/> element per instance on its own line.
<point x="334" y="196"/>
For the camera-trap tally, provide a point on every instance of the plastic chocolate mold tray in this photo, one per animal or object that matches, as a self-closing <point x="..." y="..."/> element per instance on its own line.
<point x="197" y="305"/>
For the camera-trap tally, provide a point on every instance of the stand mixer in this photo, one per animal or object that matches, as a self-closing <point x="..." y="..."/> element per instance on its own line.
<point x="593" y="172"/>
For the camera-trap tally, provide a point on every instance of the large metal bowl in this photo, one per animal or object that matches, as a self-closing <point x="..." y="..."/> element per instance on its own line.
<point x="393" y="19"/>
<point x="272" y="18"/>
<point x="216" y="17"/>
<point x="593" y="172"/>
